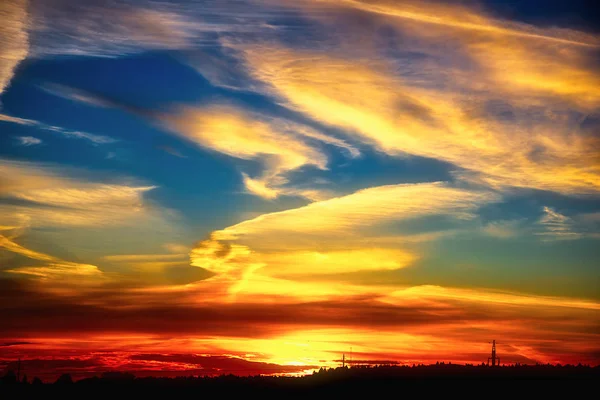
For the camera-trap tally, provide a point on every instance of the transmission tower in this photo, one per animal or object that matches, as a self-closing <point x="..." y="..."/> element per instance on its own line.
<point x="495" y="360"/>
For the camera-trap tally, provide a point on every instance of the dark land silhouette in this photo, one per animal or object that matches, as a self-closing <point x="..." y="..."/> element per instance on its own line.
<point x="335" y="382"/>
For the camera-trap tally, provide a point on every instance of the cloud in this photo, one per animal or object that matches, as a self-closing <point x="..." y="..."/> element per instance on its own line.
<point x="135" y="26"/>
<point x="282" y="146"/>
<point x="558" y="226"/>
<point x="29" y="140"/>
<point x="502" y="229"/>
<point x="53" y="269"/>
<point x="400" y="322"/>
<point x="266" y="255"/>
<point x="37" y="198"/>
<point x="110" y="364"/>
<point x="21" y="121"/>
<point x="14" y="39"/>
<point x="145" y="257"/>
<point x="148" y="263"/>
<point x="75" y="94"/>
<point x="398" y="118"/>
<point x="504" y="103"/>
<point x="132" y="28"/>
<point x="351" y="213"/>
<point x="172" y="151"/>
<point x="460" y="17"/>
<point x="96" y="139"/>
<point x="6" y="344"/>
<point x="39" y="195"/>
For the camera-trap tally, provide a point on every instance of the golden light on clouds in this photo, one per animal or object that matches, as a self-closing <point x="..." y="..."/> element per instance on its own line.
<point x="14" y="39"/>
<point x="401" y="118"/>
<point x="344" y="215"/>
<point x="442" y="112"/>
<point x="386" y="180"/>
<point x="51" y="198"/>
<point x="281" y="145"/>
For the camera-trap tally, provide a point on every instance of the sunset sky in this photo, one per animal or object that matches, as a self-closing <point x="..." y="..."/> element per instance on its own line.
<point x="261" y="186"/>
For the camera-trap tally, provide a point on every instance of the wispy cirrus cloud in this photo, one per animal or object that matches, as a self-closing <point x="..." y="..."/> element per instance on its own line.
<point x="282" y="146"/>
<point x="552" y="154"/>
<point x="40" y="195"/>
<point x="14" y="38"/>
<point x="335" y="236"/>
<point x="95" y="139"/>
<point x="506" y="105"/>
<point x="137" y="26"/>
<point x="346" y="214"/>
<point x="52" y="268"/>
<point x="28" y="141"/>
<point x="557" y="226"/>
<point x="503" y="229"/>
<point x="133" y="27"/>
<point x="36" y="197"/>
<point x="279" y="144"/>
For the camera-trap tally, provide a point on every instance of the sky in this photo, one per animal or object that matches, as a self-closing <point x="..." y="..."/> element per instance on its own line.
<point x="259" y="186"/>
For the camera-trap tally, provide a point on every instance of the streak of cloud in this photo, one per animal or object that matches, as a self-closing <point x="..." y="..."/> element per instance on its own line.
<point x="14" y="39"/>
<point x="338" y="235"/>
<point x="399" y="117"/>
<point x="54" y="268"/>
<point x="282" y="145"/>
<point x="28" y="140"/>
<point x="558" y="226"/>
<point x="95" y="139"/>
<point x="45" y="198"/>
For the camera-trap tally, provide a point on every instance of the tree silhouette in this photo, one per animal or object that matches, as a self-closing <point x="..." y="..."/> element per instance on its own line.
<point x="64" y="379"/>
<point x="9" y="378"/>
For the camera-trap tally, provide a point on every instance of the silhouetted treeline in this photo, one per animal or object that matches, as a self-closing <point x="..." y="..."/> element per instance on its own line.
<point x="334" y="381"/>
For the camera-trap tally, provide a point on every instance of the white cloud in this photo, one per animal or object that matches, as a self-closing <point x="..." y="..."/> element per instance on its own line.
<point x="28" y="140"/>
<point x="96" y="139"/>
<point x="557" y="226"/>
<point x="502" y="229"/>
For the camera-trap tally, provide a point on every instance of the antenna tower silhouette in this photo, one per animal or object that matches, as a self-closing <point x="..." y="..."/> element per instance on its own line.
<point x="495" y="360"/>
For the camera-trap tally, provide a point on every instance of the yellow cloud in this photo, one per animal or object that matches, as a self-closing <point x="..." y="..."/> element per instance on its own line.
<point x="368" y="207"/>
<point x="266" y="254"/>
<point x="51" y="199"/>
<point x="281" y="145"/>
<point x="14" y="40"/>
<point x="334" y="262"/>
<point x="55" y="268"/>
<point x="528" y="68"/>
<point x="430" y="292"/>
<point x="64" y="273"/>
<point x="144" y="257"/>
<point x="147" y="263"/>
<point x="460" y="17"/>
<point x="10" y="245"/>
<point x="399" y="117"/>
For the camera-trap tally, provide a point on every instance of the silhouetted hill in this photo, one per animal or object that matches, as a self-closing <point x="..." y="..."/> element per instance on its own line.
<point x="337" y="382"/>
